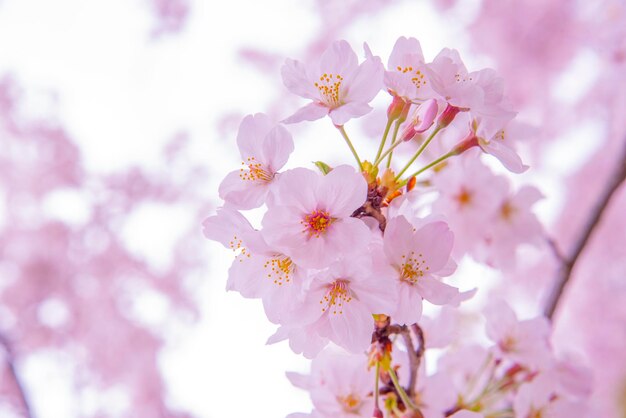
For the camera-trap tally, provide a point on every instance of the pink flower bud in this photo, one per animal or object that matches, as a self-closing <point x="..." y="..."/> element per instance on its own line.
<point x="396" y="108"/>
<point x="423" y="119"/>
<point x="448" y="115"/>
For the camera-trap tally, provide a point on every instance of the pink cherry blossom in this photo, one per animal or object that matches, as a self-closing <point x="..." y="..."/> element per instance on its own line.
<point x="525" y="341"/>
<point x="538" y="399"/>
<point x="310" y="218"/>
<point x="342" y="299"/>
<point x="417" y="257"/>
<point x="406" y="74"/>
<point x="514" y="224"/>
<point x="264" y="149"/>
<point x="341" y="386"/>
<point x="338" y="85"/>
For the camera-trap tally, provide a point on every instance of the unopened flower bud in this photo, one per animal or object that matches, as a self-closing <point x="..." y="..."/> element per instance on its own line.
<point x="396" y="108"/>
<point x="471" y="140"/>
<point x="448" y="115"/>
<point x="377" y="413"/>
<point x="422" y="120"/>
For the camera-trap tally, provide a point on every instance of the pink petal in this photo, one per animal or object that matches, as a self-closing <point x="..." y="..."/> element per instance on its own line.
<point x="366" y="82"/>
<point x="342" y="191"/>
<point x="435" y="291"/>
<point x="242" y="194"/>
<point x="435" y="241"/>
<point x="312" y="111"/>
<point x="296" y="80"/>
<point x="353" y="328"/>
<point x="277" y="146"/>
<point x="297" y="188"/>
<point x="409" y="308"/>
<point x="226" y="224"/>
<point x="507" y="156"/>
<point x="402" y="48"/>
<point x="344" y="113"/>
<point x="251" y="134"/>
<point x="339" y="58"/>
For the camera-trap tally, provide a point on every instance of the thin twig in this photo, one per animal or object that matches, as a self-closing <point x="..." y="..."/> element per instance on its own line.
<point x="10" y="360"/>
<point x="568" y="265"/>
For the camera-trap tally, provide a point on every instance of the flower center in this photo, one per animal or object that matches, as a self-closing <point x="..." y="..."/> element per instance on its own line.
<point x="338" y="294"/>
<point x="464" y="197"/>
<point x="413" y="267"/>
<point x="506" y="211"/>
<point x="255" y="171"/>
<point x="279" y="269"/>
<point x="235" y="244"/>
<point x="329" y="86"/>
<point x="316" y="222"/>
<point x="418" y="76"/>
<point x="350" y="403"/>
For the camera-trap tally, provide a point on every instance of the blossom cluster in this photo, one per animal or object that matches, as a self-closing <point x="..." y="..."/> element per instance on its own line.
<point x="348" y="254"/>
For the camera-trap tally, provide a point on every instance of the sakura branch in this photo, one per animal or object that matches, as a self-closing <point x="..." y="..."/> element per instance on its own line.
<point x="568" y="264"/>
<point x="347" y="257"/>
<point x="14" y="385"/>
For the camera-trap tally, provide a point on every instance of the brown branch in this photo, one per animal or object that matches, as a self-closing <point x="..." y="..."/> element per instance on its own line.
<point x="10" y="360"/>
<point x="567" y="265"/>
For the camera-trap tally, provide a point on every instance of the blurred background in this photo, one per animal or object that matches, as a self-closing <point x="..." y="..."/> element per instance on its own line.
<point x="118" y="121"/>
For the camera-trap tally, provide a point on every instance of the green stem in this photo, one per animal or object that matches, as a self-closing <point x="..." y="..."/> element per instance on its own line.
<point x="419" y="151"/>
<point x="356" y="156"/>
<point x="426" y="167"/>
<point x="384" y="139"/>
<point x="395" y="135"/>
<point x="405" y="398"/>
<point x="384" y="154"/>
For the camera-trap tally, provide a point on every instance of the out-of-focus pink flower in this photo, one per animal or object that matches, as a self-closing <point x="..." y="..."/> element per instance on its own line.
<point x="466" y="414"/>
<point x="309" y="219"/>
<point x="338" y="85"/>
<point x="539" y="399"/>
<point x="417" y="257"/>
<point x="525" y="342"/>
<point x="264" y="149"/>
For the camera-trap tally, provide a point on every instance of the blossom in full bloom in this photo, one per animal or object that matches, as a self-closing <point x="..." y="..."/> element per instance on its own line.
<point x="309" y="219"/>
<point x="339" y="86"/>
<point x="417" y="257"/>
<point x="342" y="299"/>
<point x="406" y="74"/>
<point x="525" y="342"/>
<point x="264" y="149"/>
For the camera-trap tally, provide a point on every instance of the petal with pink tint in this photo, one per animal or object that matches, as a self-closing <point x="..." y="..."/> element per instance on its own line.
<point x="344" y="113"/>
<point x="227" y="227"/>
<point x="435" y="291"/>
<point x="310" y="112"/>
<point x="277" y="147"/>
<point x="242" y="194"/>
<point x="339" y="58"/>
<point x="251" y="134"/>
<point x="297" y="81"/>
<point x="507" y="156"/>
<point x="343" y="189"/>
<point x="435" y="243"/>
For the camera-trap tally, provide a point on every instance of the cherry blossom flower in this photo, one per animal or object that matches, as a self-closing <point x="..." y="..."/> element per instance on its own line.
<point x="264" y="149"/>
<point x="338" y="85"/>
<point x="406" y="75"/>
<point x="525" y="341"/>
<point x="341" y="386"/>
<point x="310" y="220"/>
<point x="417" y="257"/>
<point x="538" y="399"/>
<point x="342" y="299"/>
